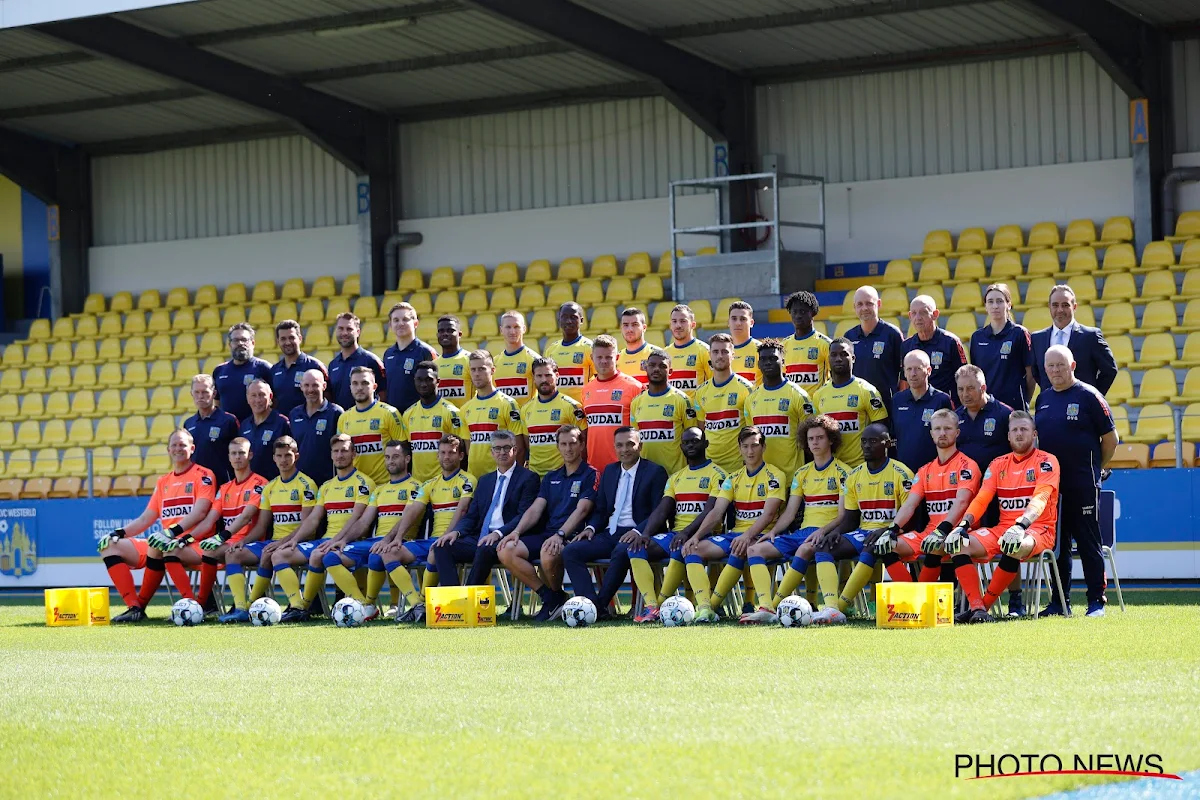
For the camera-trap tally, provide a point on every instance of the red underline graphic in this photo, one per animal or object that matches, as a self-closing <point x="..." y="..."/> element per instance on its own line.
<point x="1167" y="775"/>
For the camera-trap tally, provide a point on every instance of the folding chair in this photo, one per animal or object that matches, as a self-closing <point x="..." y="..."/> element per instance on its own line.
<point x="1108" y="538"/>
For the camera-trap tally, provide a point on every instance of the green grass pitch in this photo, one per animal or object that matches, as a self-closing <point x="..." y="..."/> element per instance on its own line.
<point x="612" y="711"/>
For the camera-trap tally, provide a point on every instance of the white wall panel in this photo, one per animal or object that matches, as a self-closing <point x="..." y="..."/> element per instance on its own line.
<point x="1185" y="80"/>
<point x="220" y="190"/>
<point x="941" y="120"/>
<point x="571" y="155"/>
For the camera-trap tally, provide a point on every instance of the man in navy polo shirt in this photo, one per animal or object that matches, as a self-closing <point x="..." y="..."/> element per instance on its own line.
<point x="982" y="419"/>
<point x="401" y="359"/>
<point x="261" y="428"/>
<point x="212" y="429"/>
<point x="1075" y="424"/>
<point x="286" y="374"/>
<point x="233" y="377"/>
<point x="346" y="331"/>
<point x="912" y="409"/>
<point x="945" y="350"/>
<point x="313" y="422"/>
<point x="877" y="345"/>
<point x="1004" y="351"/>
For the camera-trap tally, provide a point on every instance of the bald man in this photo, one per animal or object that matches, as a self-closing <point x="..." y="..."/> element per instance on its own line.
<point x="913" y="409"/>
<point x="878" y="345"/>
<point x="313" y="422"/>
<point x="945" y="350"/>
<point x="262" y="427"/>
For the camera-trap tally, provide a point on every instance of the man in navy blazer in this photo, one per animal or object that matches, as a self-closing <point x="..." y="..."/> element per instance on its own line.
<point x="1094" y="361"/>
<point x="501" y="498"/>
<point x="629" y="492"/>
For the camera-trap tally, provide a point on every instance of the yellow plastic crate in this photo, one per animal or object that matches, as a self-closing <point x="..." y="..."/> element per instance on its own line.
<point x="76" y="607"/>
<point x="460" y="606"/>
<point x="914" y="605"/>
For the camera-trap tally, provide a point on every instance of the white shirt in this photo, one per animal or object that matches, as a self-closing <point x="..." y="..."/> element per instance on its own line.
<point x="624" y="513"/>
<point x="1065" y="332"/>
<point x="497" y="519"/>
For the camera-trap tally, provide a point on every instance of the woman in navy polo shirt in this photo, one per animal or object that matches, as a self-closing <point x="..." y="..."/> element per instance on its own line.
<point x="1003" y="350"/>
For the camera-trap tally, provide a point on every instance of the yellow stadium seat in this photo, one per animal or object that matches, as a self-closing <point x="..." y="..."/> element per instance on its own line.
<point x="666" y="262"/>
<point x="311" y="310"/>
<point x="411" y="280"/>
<point x="474" y="275"/>
<point x="9" y="407"/>
<point x="335" y="307"/>
<point x="67" y="487"/>
<point x="129" y="461"/>
<point x="1165" y="455"/>
<point x="149" y="300"/>
<point x="508" y="274"/>
<point x="29" y="434"/>
<point x="259" y="315"/>
<point x="20" y="462"/>
<point x="61" y="353"/>
<point x="135" y="401"/>
<point x="1116" y="229"/>
<point x="1041" y="235"/>
<point x="1190" y="357"/>
<point x="1191" y="422"/>
<point x="37" y="353"/>
<point x="649" y="289"/>
<point x="603" y="267"/>
<point x="971" y="240"/>
<point x="558" y="293"/>
<point x="1080" y="232"/>
<point x="603" y="320"/>
<point x="121" y="302"/>
<point x="110" y="325"/>
<point x="1191" y="286"/>
<point x="373" y="334"/>
<point x="638" y="264"/>
<point x="87" y="327"/>
<point x="1158" y="255"/>
<point x="58" y="406"/>
<point x="898" y="272"/>
<point x="184" y="405"/>
<point x="1118" y="288"/>
<point x="442" y="278"/>
<point x="1081" y="261"/>
<point x="134" y="431"/>
<point x="1084" y="287"/>
<point x="352" y="286"/>
<point x="211" y="343"/>
<point x="1119" y="258"/>
<point x="83" y="404"/>
<point x="1006" y="237"/>
<point x="1191" y="388"/>
<point x="11" y="381"/>
<point x="323" y="287"/>
<point x="94" y="304"/>
<point x="161" y="427"/>
<point x="33" y="406"/>
<point x="85" y="352"/>
<point x="421" y="303"/>
<point x="937" y="243"/>
<point x="619" y="291"/>
<point x="539" y="271"/>
<point x="185" y="346"/>
<point x="45" y="462"/>
<point x="183" y="321"/>
<point x="1157" y="315"/>
<point x="847" y="309"/>
<point x="316" y="337"/>
<point x="532" y="296"/>
<point x="1158" y="285"/>
<point x="1006" y="266"/>
<point x="108" y="430"/>
<point x="157" y="462"/>
<point x="235" y="314"/>
<point x="206" y="295"/>
<point x="591" y="293"/>
<point x="81" y="433"/>
<point x="8" y="435"/>
<point x="543" y="322"/>
<point x="14" y="356"/>
<point x="35" y="380"/>
<point x="366" y="307"/>
<point x="74" y="462"/>
<point x="1036" y="317"/>
<point x="10" y="488"/>
<point x="58" y="378"/>
<point x="1121" y="390"/>
<point x="264" y="292"/>
<point x="1043" y="262"/>
<point x="969" y="269"/>
<point x="212" y="362"/>
<point x="660" y="317"/>
<point x="966" y="297"/>
<point x="703" y="311"/>
<point x="134" y="324"/>
<point x="1158" y="350"/>
<point x="1187" y="226"/>
<point x="64" y="328"/>
<point x="1122" y="349"/>
<point x="178" y="298"/>
<point x="721" y="313"/>
<point x="235" y="294"/>
<point x="474" y="301"/>
<point x="934" y="269"/>
<point x="285" y="310"/>
<point x="1154" y="423"/>
<point x="38" y="488"/>
<point x="894" y="300"/>
<point x="160" y="347"/>
<point x="209" y="319"/>
<point x="484" y="326"/>
<point x="103" y="461"/>
<point x="1158" y="386"/>
<point x="1118" y="318"/>
<point x="936" y="292"/>
<point x="125" y="486"/>
<point x="1190" y="257"/>
<point x="1120" y="417"/>
<point x="962" y="324"/>
<point x="161" y="373"/>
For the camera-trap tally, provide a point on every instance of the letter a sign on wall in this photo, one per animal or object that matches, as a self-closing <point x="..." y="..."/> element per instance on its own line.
<point x="1139" y="125"/>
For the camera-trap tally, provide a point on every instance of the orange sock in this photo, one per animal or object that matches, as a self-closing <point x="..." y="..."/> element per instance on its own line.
<point x="1001" y="578"/>
<point x="968" y="579"/>
<point x="151" y="579"/>
<point x="122" y="578"/>
<point x="208" y="578"/>
<point x="931" y="569"/>
<point x="896" y="570"/>
<point x="179" y="577"/>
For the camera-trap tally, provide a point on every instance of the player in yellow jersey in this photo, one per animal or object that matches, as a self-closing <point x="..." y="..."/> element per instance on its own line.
<point x="875" y="491"/>
<point x="660" y="414"/>
<point x="851" y="401"/>
<point x="341" y="500"/>
<point x="453" y="381"/>
<point x="427" y="420"/>
<point x="572" y="353"/>
<point x="690" y="494"/>
<point x="369" y="423"/>
<point x="690" y="360"/>
<point x="777" y="408"/>
<point x="812" y="504"/>
<point x="806" y="352"/>
<point x="545" y="414"/>
<point x="631" y="360"/>
<point x="756" y="492"/>
<point x="490" y="410"/>
<point x="514" y="365"/>
<point x="719" y="403"/>
<point x="745" y="347"/>
<point x="447" y="497"/>
<point x="286" y="502"/>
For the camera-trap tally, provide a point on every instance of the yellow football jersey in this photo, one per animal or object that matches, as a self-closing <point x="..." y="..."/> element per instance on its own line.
<point x="370" y="430"/>
<point x="285" y="500"/>
<point x="441" y="496"/>
<point x="542" y="419"/>
<point x="806" y="361"/>
<point x="483" y="415"/>
<point x="877" y="496"/>
<point x="660" y="419"/>
<point x="854" y="405"/>
<point x="820" y="487"/>
<point x="633" y="362"/>
<point x="514" y="374"/>
<point x="778" y="413"/>
<point x="454" y="378"/>
<point x="719" y="408"/>
<point x="748" y="493"/>
<point x="745" y="360"/>
<point x="390" y="500"/>
<point x="426" y="425"/>
<point x="690" y="488"/>
<point x="339" y="496"/>
<point x="689" y="366"/>
<point x="575" y="367"/>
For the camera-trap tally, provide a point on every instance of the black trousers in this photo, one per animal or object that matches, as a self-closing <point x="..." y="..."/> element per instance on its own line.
<point x="1079" y="521"/>
<point x="465" y="550"/>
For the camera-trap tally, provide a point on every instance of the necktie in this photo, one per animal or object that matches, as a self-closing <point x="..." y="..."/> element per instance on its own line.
<point x="1061" y="337"/>
<point x="487" y="521"/>
<point x="622" y="499"/>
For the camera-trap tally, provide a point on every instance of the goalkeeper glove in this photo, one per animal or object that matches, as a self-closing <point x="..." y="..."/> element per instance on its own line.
<point x="158" y="540"/>
<point x="886" y="543"/>
<point x="212" y="543"/>
<point x="178" y="542"/>
<point x="955" y="540"/>
<point x="107" y="539"/>
<point x="1012" y="539"/>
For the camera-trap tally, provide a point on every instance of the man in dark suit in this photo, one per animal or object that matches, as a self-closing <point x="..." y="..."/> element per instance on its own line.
<point x="1094" y="361"/>
<point x="501" y="498"/>
<point x="629" y="492"/>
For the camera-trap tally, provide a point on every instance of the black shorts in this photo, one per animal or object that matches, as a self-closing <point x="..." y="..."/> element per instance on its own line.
<point x="534" y="544"/>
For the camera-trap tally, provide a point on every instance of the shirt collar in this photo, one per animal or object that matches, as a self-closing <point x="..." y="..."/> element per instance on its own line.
<point x="632" y="471"/>
<point x="507" y="474"/>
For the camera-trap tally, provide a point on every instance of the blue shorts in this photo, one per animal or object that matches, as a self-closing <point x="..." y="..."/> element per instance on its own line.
<point x="663" y="540"/>
<point x="358" y="552"/>
<point x="420" y="549"/>
<point x="857" y="538"/>
<point x="257" y="547"/>
<point x="789" y="543"/>
<point x="306" y="548"/>
<point x="724" y="541"/>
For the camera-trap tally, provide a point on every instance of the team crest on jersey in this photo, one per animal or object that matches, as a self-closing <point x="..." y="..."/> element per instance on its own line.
<point x="704" y="483"/>
<point x="1006" y="348"/>
<point x="455" y="493"/>
<point x="295" y="494"/>
<point x="1072" y="410"/>
<point x="374" y="424"/>
<point x="935" y="359"/>
<point x="1029" y="475"/>
<point x="668" y="410"/>
<point x="927" y="415"/>
<point x="188" y="487"/>
<point x="458" y="369"/>
<point x="762" y="490"/>
<point x="889" y="488"/>
<point x="408" y="365"/>
<point x="784" y="404"/>
<point x="402" y="494"/>
<point x="750" y="361"/>
<point x="577" y="358"/>
<point x="555" y="414"/>
<point x="831" y="484"/>
<point x="732" y="399"/>
<point x="521" y="368"/>
<point x="954" y="479"/>
<point x="437" y="421"/>
<point x="852" y="400"/>
<point x="493" y="413"/>
<point x="576" y="487"/>
<point x="812" y="354"/>
<point x="350" y="491"/>
<point x="877" y="349"/>
<point x="266" y="438"/>
<point x="989" y="426"/>
<point x="213" y="433"/>
<point x="616" y="395"/>
<point x="246" y="379"/>
<point x="320" y="427"/>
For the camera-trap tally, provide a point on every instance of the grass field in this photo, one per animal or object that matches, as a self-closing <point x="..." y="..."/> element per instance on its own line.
<point x="611" y="711"/>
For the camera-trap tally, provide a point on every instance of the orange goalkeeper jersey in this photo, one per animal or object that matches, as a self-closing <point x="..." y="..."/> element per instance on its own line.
<point x="176" y="494"/>
<point x="938" y="483"/>
<point x="1014" y="480"/>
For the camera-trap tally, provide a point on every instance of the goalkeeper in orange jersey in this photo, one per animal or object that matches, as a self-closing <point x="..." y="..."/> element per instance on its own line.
<point x="1026" y="483"/>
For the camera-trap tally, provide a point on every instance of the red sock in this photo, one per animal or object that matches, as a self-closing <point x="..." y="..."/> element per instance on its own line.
<point x="122" y="578"/>
<point x="898" y="571"/>
<point x="208" y="578"/>
<point x="179" y="577"/>
<point x="151" y="579"/>
<point x="930" y="574"/>
<point x="1000" y="579"/>
<point x="968" y="579"/>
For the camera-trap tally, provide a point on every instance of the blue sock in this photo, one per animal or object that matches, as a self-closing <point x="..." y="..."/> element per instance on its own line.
<point x="823" y="556"/>
<point x="234" y="569"/>
<point x="801" y="564"/>
<point x="867" y="557"/>
<point x="752" y="560"/>
<point x="693" y="559"/>
<point x="737" y="563"/>
<point x="375" y="563"/>
<point x="331" y="560"/>
<point x="263" y="572"/>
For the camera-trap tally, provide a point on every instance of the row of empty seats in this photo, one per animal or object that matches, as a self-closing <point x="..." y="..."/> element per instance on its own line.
<point x="87" y="432"/>
<point x="72" y="486"/>
<point x="107" y="461"/>
<point x="1135" y="455"/>
<point x="233" y="294"/>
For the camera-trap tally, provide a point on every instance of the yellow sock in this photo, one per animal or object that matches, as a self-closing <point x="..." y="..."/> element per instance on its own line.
<point x="428" y="578"/>
<point x="344" y="580"/>
<point x="289" y="581"/>
<point x="405" y="583"/>
<point x="375" y="580"/>
<point x="261" y="588"/>
<point x="791" y="580"/>
<point x="858" y="579"/>
<point x="393" y="593"/>
<point x="237" y="588"/>
<point x="672" y="577"/>
<point x="360" y="577"/>
<point x="827" y="577"/>
<point x="762" y="578"/>
<point x="729" y="578"/>
<point x="698" y="577"/>
<point x="751" y="593"/>
<point x="811" y="585"/>
<point x="643" y="576"/>
<point x="314" y="584"/>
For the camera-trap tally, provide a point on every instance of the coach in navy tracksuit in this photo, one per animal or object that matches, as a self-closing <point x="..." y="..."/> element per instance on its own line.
<point x="629" y="492"/>
<point x="878" y="346"/>
<point x="912" y="411"/>
<point x="1094" y="360"/>
<point x="945" y="350"/>
<point x="1004" y="351"/>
